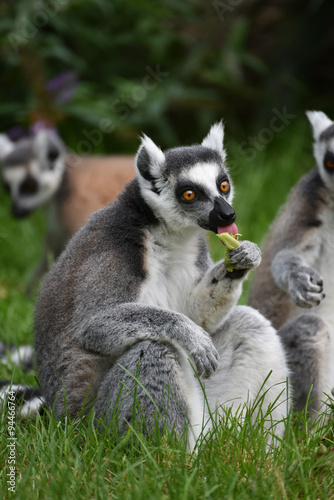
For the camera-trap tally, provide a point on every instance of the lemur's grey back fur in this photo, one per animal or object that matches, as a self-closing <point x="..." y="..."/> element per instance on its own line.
<point x="297" y="273"/>
<point x="135" y="289"/>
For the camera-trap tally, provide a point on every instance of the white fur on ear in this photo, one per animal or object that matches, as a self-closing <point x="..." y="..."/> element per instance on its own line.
<point x="41" y="141"/>
<point x="319" y="122"/>
<point x="6" y="146"/>
<point x="149" y="159"/>
<point x="214" y="139"/>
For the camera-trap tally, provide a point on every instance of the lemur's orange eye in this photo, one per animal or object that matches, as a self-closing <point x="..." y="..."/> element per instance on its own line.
<point x="329" y="164"/>
<point x="188" y="195"/>
<point x="224" y="187"/>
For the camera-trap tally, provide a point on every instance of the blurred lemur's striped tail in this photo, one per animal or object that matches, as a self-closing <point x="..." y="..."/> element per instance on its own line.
<point x="22" y="357"/>
<point x="28" y="400"/>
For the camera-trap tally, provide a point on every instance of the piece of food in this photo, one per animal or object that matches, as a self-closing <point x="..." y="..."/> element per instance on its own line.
<point x="228" y="235"/>
<point x="229" y="240"/>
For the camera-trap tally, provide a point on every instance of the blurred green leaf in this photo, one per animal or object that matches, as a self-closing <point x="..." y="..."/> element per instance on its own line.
<point x="261" y="55"/>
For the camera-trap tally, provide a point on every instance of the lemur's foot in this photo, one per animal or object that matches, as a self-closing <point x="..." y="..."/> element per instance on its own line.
<point x="246" y="256"/>
<point x="205" y="356"/>
<point x="306" y="287"/>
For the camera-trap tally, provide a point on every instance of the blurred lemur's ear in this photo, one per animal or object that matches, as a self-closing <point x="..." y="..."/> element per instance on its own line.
<point x="214" y="139"/>
<point x="149" y="160"/>
<point x="6" y="146"/>
<point x="319" y="122"/>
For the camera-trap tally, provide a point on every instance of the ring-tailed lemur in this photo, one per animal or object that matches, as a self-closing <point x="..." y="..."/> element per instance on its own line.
<point x="297" y="273"/>
<point x="135" y="289"/>
<point x="38" y="171"/>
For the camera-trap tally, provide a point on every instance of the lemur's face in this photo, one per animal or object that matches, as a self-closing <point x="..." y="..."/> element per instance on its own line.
<point x="33" y="170"/>
<point x="188" y="186"/>
<point x="323" y="148"/>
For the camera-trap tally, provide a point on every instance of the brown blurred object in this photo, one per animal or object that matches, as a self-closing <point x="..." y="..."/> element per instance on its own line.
<point x="92" y="184"/>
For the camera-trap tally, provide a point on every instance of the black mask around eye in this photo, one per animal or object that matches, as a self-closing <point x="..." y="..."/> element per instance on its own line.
<point x="52" y="156"/>
<point x="329" y="162"/>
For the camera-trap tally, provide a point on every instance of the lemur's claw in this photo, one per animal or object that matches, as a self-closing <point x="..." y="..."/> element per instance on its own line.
<point x="205" y="359"/>
<point x="306" y="287"/>
<point x="246" y="256"/>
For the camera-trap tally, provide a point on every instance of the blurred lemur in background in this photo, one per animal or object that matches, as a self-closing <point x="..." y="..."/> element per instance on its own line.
<point x="38" y="171"/>
<point x="135" y="292"/>
<point x="297" y="273"/>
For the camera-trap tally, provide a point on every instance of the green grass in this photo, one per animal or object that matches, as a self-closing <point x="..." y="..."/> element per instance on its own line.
<point x="68" y="460"/>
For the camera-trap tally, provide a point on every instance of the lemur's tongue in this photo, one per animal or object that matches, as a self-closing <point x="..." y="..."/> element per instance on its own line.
<point x="230" y="228"/>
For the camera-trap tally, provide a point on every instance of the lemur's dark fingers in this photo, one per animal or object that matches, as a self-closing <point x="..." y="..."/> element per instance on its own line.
<point x="317" y="280"/>
<point x="314" y="288"/>
<point x="309" y="277"/>
<point x="304" y="286"/>
<point x="315" y="298"/>
<point x="308" y="300"/>
<point x="246" y="256"/>
<point x="245" y="261"/>
<point x="205" y="363"/>
<point x="218" y="273"/>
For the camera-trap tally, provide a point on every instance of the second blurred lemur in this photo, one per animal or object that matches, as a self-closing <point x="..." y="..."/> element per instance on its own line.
<point x="38" y="171"/>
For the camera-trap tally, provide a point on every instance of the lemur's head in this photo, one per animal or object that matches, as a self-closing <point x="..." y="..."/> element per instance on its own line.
<point x="32" y="169"/>
<point x="187" y="186"/>
<point x="323" y="147"/>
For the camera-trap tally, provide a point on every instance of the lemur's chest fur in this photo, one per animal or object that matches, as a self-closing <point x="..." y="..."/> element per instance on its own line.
<point x="172" y="271"/>
<point x="324" y="264"/>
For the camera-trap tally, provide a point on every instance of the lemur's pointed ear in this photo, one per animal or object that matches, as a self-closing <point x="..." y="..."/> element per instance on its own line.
<point x="149" y="160"/>
<point x="214" y="139"/>
<point x="6" y="146"/>
<point x="319" y="122"/>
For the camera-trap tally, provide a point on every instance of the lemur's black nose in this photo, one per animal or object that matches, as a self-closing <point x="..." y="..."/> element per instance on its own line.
<point x="221" y="215"/>
<point x="29" y="186"/>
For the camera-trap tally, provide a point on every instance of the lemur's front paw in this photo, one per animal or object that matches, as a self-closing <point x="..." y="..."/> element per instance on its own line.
<point x="205" y="357"/>
<point x="217" y="273"/>
<point x="306" y="287"/>
<point x="246" y="256"/>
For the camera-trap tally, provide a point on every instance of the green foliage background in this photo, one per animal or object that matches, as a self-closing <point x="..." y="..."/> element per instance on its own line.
<point x="236" y="59"/>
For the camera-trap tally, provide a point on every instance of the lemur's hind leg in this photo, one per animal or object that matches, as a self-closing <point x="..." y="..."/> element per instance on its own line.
<point x="167" y="395"/>
<point x="249" y="349"/>
<point x="306" y="340"/>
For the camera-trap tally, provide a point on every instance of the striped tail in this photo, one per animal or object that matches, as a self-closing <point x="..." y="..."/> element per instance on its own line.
<point x="22" y="357"/>
<point x="27" y="400"/>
